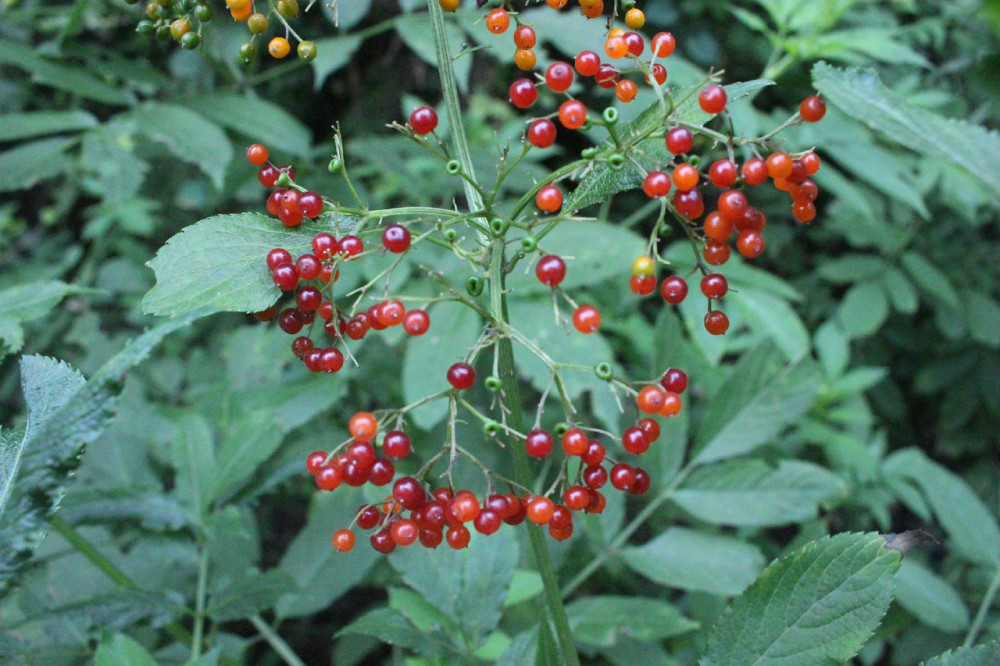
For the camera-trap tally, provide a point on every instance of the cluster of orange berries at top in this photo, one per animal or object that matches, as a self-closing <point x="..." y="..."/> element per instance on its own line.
<point x="411" y="513"/>
<point x="258" y="23"/>
<point x="312" y="273"/>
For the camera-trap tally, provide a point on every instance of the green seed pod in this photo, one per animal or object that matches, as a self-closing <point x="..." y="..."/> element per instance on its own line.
<point x="603" y="371"/>
<point x="616" y="162"/>
<point x="336" y="165"/>
<point x="248" y="53"/>
<point x="203" y="13"/>
<point x="191" y="41"/>
<point x="560" y="429"/>
<point x="610" y="115"/>
<point x="306" y="51"/>
<point x="491" y="428"/>
<point x="474" y="285"/>
<point x="450" y="235"/>
<point x="499" y="226"/>
<point x="695" y="161"/>
<point x="453" y="167"/>
<point x="145" y="27"/>
<point x="529" y="243"/>
<point x="589" y="153"/>
<point x="492" y="383"/>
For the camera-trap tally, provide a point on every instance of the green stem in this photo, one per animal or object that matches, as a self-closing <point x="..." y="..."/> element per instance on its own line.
<point x="984" y="607"/>
<point x="201" y="594"/>
<point x="276" y="642"/>
<point x="522" y="470"/>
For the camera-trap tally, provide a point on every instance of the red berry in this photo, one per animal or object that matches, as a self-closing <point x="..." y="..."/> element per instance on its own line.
<point x="607" y="76"/>
<point x="675" y="380"/>
<point x="549" y="199"/>
<point x="325" y="246"/>
<point x="732" y="205"/>
<point x="635" y="440"/>
<point x="416" y="322"/>
<point x="404" y="531"/>
<point x="308" y="267"/>
<point x="643" y="285"/>
<point x="273" y="204"/>
<point x="573" y="114"/>
<point x="538" y="444"/>
<point x="396" y="445"/>
<point x="542" y="133"/>
<point x="750" y="243"/>
<point x="381" y="472"/>
<point x="310" y="204"/>
<point x="595" y="476"/>
<point x="314" y="360"/>
<point x="382" y="541"/>
<point x="659" y="74"/>
<point x="576" y="498"/>
<point x="634" y="42"/>
<point x="663" y="44"/>
<point x="331" y="360"/>
<point x="716" y="252"/>
<point x="656" y="184"/>
<point x="689" y="204"/>
<point x="390" y="313"/>
<point x="640" y="481"/>
<point x="351" y="246"/>
<point x="343" y="540"/>
<point x="308" y="298"/>
<point x="754" y="171"/>
<point x="586" y="319"/>
<point x="523" y="93"/>
<point x="550" y="270"/>
<point x="717" y="227"/>
<point x="368" y="517"/>
<point x="458" y="537"/>
<point x="301" y="346"/>
<point x="315" y="461"/>
<point x="559" y="77"/>
<point x="723" y="173"/>
<point x="679" y="140"/>
<point x="621" y="476"/>
<point x="594" y="454"/>
<point x="712" y="99"/>
<point x="423" y="120"/>
<point x="267" y="175"/>
<point x="396" y="238"/>
<point x="487" y="522"/>
<point x="714" y="286"/>
<point x="290" y="218"/>
<point x="408" y="492"/>
<point x="464" y="507"/>
<point x="256" y="154"/>
<point x="540" y="510"/>
<point x="278" y="256"/>
<point x="651" y="428"/>
<point x="461" y="376"/>
<point x="574" y="442"/>
<point x="587" y="63"/>
<point x="686" y="177"/>
<point x="285" y="276"/>
<point x="497" y="21"/>
<point x="716" y="322"/>
<point x="291" y="321"/>
<point x="812" y="109"/>
<point x="673" y="289"/>
<point x="328" y="477"/>
<point x="524" y="37"/>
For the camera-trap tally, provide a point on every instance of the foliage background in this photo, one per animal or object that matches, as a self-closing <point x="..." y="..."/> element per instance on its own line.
<point x="869" y="343"/>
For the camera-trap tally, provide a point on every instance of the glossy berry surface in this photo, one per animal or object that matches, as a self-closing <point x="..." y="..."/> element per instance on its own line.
<point x="396" y="238"/>
<point x="461" y="376"/>
<point x="523" y="93"/>
<point x="712" y="99"/>
<point x="423" y="120"/>
<point x="550" y="270"/>
<point x="587" y="319"/>
<point x="559" y="77"/>
<point x="542" y="133"/>
<point x="673" y="289"/>
<point x="549" y="199"/>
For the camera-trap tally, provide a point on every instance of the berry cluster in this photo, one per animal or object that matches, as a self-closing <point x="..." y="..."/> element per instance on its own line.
<point x="180" y="20"/>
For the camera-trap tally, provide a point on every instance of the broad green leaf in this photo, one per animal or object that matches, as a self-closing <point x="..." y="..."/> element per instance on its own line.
<point x="817" y="606"/>
<point x="525" y="585"/>
<point x="114" y="611"/>
<point x="322" y="573"/>
<point x="256" y="119"/>
<point x="189" y="136"/>
<point x="64" y="415"/>
<point x="863" y="310"/>
<point x="73" y="79"/>
<point x="856" y="381"/>
<point x="929" y="278"/>
<point x="901" y="291"/>
<point x="692" y="560"/>
<point x="454" y="329"/>
<point x="17" y="126"/>
<point x="758" y="402"/>
<point x="218" y="264"/>
<point x="29" y="163"/>
<point x="469" y="586"/>
<point x="981" y="655"/>
<point x="930" y="598"/>
<point x="770" y="315"/>
<point x="150" y="508"/>
<point x="983" y="317"/>
<point x="250" y="595"/>
<point x="856" y="46"/>
<point x="852" y="268"/>
<point x="607" y="620"/>
<point x="971" y="526"/>
<point x="331" y="55"/>
<point x="250" y="441"/>
<point x="33" y="300"/>
<point x="832" y="347"/>
<point x="121" y="650"/>
<point x="417" y="31"/>
<point x="417" y="610"/>
<point x="390" y="626"/>
<point x="193" y="452"/>
<point x="861" y="95"/>
<point x="751" y="493"/>
<point x="602" y="181"/>
<point x="113" y="171"/>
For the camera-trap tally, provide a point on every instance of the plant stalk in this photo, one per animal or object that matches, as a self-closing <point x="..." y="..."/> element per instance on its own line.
<point x="984" y="607"/>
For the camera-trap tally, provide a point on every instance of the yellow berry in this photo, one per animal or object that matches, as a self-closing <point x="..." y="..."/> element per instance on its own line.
<point x="615" y="32"/>
<point x="449" y="5"/>
<point x="635" y="19"/>
<point x="278" y="47"/>
<point x="643" y="266"/>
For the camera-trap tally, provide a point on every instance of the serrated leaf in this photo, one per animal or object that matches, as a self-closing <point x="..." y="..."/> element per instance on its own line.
<point x="121" y="650"/>
<point x="417" y="610"/>
<point x="17" y="126"/>
<point x="29" y="163"/>
<point x="193" y="457"/>
<point x="189" y="136"/>
<point x="26" y="302"/>
<point x="972" y="527"/>
<point x="65" y="415"/>
<point x="607" y="620"/>
<point x="250" y="595"/>
<point x="930" y="598"/>
<point x="759" y="401"/>
<point x="469" y="585"/>
<point x="817" y="605"/>
<point x="218" y="265"/>
<point x="319" y="570"/>
<point x="389" y="626"/>
<point x="861" y="95"/>
<point x="114" y="611"/>
<point x="981" y="655"/>
<point x="751" y="493"/>
<point x="256" y="119"/>
<point x="692" y="560"/>
<point x="151" y="509"/>
<point x="602" y="181"/>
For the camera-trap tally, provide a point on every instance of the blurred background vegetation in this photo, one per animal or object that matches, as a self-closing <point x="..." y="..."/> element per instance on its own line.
<point x="873" y="335"/>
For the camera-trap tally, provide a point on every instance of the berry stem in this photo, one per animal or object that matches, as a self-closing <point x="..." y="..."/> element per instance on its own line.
<point x="276" y="642"/>
<point x="522" y="471"/>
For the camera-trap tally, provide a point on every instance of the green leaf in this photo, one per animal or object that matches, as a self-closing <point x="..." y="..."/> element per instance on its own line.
<point x="832" y="348"/>
<point x="29" y="163"/>
<point x="863" y="310"/>
<point x="389" y="626"/>
<point x="901" y="291"/>
<point x="602" y="181"/>
<point x="121" y="650"/>
<point x="64" y="415"/>
<point x="256" y="119"/>
<point x="150" y="508"/>
<point x="189" y="136"/>
<point x="971" y="526"/>
<point x="605" y="621"/>
<point x="417" y="31"/>
<point x="981" y="655"/>
<point x="856" y="381"/>
<point x="71" y="78"/>
<point x="929" y="278"/>
<point x="250" y="595"/>
<point x="193" y="452"/>
<point x="817" y="605"/>
<point x="454" y="329"/>
<point x="525" y="585"/>
<point x="692" y="560"/>
<point x="983" y="316"/>
<point x="930" y="598"/>
<point x="861" y="95"/>
<point x="114" y="611"/>
<point x="322" y="573"/>
<point x="760" y="399"/>
<point x="17" y="126"/>
<point x="852" y="268"/>
<point x="468" y="586"/>
<point x="772" y="316"/>
<point x="346" y="15"/>
<point x="856" y="46"/>
<point x="331" y="55"/>
<point x="218" y="264"/>
<point x="751" y="493"/>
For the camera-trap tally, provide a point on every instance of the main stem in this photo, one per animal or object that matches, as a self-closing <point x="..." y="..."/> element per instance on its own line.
<point x="522" y="471"/>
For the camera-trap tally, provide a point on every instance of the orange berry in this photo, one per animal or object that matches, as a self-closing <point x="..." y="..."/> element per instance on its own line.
<point x="685" y="177"/>
<point x="524" y="59"/>
<point x="634" y="18"/>
<point x="616" y="47"/>
<point x="650" y="399"/>
<point x="626" y="90"/>
<point x="343" y="540"/>
<point x="363" y="425"/>
<point x="671" y="403"/>
<point x="498" y="21"/>
<point x="278" y="47"/>
<point x="540" y="510"/>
